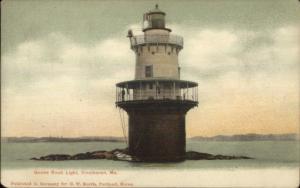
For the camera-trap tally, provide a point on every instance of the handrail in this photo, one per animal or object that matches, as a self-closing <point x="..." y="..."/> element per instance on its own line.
<point x="156" y="39"/>
<point x="183" y="94"/>
<point x="135" y="83"/>
<point x="151" y="101"/>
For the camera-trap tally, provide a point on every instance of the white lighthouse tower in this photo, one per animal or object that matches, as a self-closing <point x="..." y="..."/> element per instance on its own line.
<point x="156" y="100"/>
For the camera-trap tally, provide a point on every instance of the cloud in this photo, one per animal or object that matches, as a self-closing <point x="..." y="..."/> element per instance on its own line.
<point x="248" y="80"/>
<point x="58" y="56"/>
<point x="211" y="53"/>
<point x="55" y="81"/>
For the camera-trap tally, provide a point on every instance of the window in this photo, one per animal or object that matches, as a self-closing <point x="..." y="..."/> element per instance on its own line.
<point x="149" y="71"/>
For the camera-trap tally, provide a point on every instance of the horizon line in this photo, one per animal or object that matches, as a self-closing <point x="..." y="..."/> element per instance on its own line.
<point x="50" y="136"/>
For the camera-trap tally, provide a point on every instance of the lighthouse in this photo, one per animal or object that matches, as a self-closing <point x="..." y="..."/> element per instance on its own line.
<point x="157" y="100"/>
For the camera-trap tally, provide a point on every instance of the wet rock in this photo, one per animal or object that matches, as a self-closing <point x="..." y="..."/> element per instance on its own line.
<point x="53" y="157"/>
<point x="98" y="156"/>
<point x="109" y="155"/>
<point x="81" y="156"/>
<point x="122" y="155"/>
<point x="193" y="155"/>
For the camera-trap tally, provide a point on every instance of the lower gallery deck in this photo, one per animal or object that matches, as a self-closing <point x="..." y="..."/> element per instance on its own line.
<point x="139" y="90"/>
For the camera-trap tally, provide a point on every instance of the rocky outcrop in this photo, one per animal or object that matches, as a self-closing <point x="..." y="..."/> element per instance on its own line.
<point x="55" y="157"/>
<point x="193" y="155"/>
<point x="122" y="155"/>
<point x="83" y="156"/>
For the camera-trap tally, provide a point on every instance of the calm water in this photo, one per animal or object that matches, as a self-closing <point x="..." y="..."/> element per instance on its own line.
<point x="266" y="154"/>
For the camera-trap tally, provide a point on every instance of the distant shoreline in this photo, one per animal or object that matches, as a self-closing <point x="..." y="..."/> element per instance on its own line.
<point x="250" y="137"/>
<point x="61" y="139"/>
<point x="244" y="137"/>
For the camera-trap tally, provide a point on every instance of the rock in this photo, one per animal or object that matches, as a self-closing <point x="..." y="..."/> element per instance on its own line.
<point x="81" y="156"/>
<point x="109" y="155"/>
<point x="125" y="151"/>
<point x="193" y="155"/>
<point x="98" y="155"/>
<point x="122" y="155"/>
<point x="54" y="157"/>
<point x="100" y="151"/>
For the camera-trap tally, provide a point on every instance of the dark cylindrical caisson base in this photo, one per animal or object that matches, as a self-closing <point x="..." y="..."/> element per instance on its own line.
<point x="157" y="135"/>
<point x="157" y="129"/>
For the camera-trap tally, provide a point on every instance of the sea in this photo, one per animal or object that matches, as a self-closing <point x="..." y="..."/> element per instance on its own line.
<point x="265" y="154"/>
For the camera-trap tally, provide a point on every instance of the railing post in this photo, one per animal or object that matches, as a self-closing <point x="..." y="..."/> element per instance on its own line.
<point x="156" y="89"/>
<point x="140" y="90"/>
<point x="174" y="85"/>
<point x="127" y="91"/>
<point x="194" y="95"/>
<point x="181" y="92"/>
<point x="187" y="90"/>
<point x="118" y="93"/>
<point x="197" y="93"/>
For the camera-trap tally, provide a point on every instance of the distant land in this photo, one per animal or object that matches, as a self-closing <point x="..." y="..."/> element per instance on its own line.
<point x="62" y="139"/>
<point x="249" y="137"/>
<point x="243" y="137"/>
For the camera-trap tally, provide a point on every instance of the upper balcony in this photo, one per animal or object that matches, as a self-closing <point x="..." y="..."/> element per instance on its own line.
<point x="156" y="39"/>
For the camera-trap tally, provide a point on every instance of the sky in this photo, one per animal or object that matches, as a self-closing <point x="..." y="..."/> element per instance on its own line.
<point x="60" y="61"/>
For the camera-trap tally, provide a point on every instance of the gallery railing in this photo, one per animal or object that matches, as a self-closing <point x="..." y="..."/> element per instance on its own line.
<point x="175" y="91"/>
<point x="156" y="39"/>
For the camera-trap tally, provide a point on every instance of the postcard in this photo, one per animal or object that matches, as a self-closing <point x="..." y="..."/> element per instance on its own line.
<point x="137" y="93"/>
